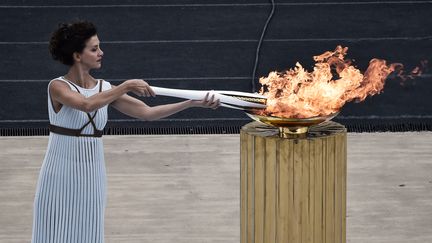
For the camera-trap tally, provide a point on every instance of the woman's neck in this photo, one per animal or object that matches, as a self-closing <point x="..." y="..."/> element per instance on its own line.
<point x="80" y="77"/>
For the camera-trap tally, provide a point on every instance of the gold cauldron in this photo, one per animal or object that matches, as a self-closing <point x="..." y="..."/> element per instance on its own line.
<point x="290" y="127"/>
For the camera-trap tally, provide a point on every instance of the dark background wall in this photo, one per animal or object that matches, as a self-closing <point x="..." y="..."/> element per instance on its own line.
<point x="206" y="44"/>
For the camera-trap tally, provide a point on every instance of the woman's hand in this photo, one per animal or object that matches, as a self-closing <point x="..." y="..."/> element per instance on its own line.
<point x="207" y="102"/>
<point x="139" y="87"/>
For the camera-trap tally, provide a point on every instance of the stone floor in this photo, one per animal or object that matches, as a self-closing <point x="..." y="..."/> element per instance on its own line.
<point x="185" y="188"/>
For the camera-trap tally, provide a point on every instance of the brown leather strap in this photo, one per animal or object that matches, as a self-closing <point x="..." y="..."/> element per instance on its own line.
<point x="73" y="132"/>
<point x="91" y="118"/>
<point x="90" y="121"/>
<point x="73" y="86"/>
<point x="100" y="86"/>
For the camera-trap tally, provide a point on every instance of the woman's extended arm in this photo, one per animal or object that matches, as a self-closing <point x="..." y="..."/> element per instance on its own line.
<point x="136" y="108"/>
<point x="61" y="92"/>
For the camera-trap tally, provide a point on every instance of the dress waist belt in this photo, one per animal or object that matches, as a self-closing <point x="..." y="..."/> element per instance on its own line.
<point x="73" y="132"/>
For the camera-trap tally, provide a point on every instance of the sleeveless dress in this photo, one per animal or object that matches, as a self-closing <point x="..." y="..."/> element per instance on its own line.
<point x="70" y="197"/>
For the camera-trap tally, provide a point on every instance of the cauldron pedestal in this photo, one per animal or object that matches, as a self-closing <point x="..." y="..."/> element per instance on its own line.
<point x="293" y="190"/>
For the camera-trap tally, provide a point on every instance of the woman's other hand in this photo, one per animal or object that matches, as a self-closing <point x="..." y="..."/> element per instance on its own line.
<point x="139" y="87"/>
<point x="209" y="101"/>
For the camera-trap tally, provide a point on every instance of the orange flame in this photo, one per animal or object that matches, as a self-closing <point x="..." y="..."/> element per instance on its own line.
<point x="297" y="93"/>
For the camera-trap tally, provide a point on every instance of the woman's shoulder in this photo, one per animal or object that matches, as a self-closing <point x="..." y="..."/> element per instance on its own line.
<point x="58" y="79"/>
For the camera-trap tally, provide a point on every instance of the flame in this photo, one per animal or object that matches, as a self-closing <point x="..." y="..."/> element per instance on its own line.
<point x="416" y="72"/>
<point x="297" y="93"/>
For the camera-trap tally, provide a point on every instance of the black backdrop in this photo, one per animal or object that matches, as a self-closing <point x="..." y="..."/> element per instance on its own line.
<point x="205" y="45"/>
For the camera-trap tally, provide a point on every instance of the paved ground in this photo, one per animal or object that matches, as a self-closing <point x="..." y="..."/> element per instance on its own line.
<point x="185" y="189"/>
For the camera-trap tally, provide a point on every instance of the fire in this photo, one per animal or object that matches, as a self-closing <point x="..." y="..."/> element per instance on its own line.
<point x="298" y="93"/>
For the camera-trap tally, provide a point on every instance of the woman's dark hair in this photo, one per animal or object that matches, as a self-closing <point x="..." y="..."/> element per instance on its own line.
<point x="70" y="38"/>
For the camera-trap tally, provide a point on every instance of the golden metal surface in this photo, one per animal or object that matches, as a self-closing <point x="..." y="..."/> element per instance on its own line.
<point x="291" y="126"/>
<point x="250" y="99"/>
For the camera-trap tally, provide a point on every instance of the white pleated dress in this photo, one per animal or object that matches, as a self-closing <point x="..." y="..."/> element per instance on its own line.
<point x="70" y="196"/>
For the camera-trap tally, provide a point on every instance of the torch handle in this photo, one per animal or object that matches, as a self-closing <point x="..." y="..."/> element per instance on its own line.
<point x="180" y="93"/>
<point x="226" y="100"/>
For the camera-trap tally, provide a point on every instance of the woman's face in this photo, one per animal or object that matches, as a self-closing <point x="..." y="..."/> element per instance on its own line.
<point x="92" y="54"/>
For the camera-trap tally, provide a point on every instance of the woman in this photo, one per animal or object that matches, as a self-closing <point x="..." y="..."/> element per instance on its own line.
<point x="70" y="195"/>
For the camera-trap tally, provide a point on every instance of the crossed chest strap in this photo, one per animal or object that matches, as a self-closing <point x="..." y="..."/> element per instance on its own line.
<point x="78" y="132"/>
